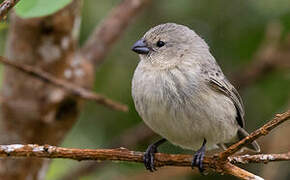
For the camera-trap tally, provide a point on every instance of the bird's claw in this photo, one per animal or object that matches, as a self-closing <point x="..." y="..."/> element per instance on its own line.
<point x="149" y="157"/>
<point x="198" y="158"/>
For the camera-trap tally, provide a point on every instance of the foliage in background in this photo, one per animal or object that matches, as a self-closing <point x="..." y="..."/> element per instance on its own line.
<point x="38" y="8"/>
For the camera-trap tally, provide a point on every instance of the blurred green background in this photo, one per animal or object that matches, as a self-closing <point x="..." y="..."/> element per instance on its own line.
<point x="234" y="29"/>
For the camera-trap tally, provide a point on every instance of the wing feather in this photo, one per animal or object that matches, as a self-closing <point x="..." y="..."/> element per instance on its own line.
<point x="224" y="86"/>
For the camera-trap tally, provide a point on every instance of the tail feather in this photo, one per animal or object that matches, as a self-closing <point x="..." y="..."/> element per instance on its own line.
<point x="242" y="133"/>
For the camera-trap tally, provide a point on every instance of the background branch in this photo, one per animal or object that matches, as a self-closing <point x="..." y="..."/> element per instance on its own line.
<point x="74" y="89"/>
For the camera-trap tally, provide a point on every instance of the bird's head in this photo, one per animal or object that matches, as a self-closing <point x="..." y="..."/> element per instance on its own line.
<point x="167" y="44"/>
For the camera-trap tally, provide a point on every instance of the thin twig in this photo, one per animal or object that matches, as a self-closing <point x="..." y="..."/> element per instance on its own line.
<point x="264" y="130"/>
<point x="221" y="163"/>
<point x="111" y="29"/>
<point x="5" y="6"/>
<point x="76" y="90"/>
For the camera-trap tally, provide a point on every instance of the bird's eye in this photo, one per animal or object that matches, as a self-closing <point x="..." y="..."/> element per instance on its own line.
<point x="160" y="43"/>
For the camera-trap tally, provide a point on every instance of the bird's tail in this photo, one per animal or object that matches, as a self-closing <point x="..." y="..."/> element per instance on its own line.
<point x="254" y="146"/>
<point x="242" y="133"/>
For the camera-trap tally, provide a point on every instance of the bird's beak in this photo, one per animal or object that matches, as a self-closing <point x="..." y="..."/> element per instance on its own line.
<point x="140" y="47"/>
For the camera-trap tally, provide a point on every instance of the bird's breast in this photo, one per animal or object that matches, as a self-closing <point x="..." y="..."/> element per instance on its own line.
<point x="164" y="99"/>
<point x="171" y="88"/>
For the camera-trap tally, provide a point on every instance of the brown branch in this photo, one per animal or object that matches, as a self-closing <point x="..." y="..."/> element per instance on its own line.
<point x="5" y="6"/>
<point x="221" y="163"/>
<point x="231" y="169"/>
<point x="111" y="29"/>
<point x="122" y="154"/>
<point x="264" y="130"/>
<point x="76" y="90"/>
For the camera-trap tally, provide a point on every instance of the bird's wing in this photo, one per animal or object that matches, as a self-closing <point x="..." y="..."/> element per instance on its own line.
<point x="222" y="85"/>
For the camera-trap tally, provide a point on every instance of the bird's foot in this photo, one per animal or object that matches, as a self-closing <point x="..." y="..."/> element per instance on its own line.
<point x="198" y="158"/>
<point x="149" y="155"/>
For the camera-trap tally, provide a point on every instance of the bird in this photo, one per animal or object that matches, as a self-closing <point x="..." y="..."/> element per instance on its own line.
<point x="181" y="93"/>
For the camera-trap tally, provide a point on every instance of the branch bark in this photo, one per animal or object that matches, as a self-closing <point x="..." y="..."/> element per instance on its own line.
<point x="123" y="154"/>
<point x="221" y="163"/>
<point x="5" y="6"/>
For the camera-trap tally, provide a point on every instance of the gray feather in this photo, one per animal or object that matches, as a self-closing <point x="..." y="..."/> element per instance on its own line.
<point x="227" y="89"/>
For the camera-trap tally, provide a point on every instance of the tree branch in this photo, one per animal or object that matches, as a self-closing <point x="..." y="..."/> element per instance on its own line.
<point x="111" y="29"/>
<point x="123" y="154"/>
<point x="76" y="90"/>
<point x="221" y="163"/>
<point x="5" y="6"/>
<point x="264" y="130"/>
